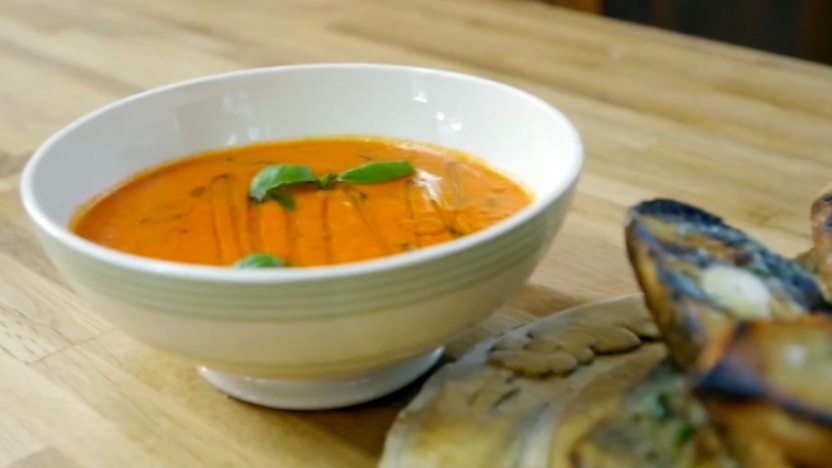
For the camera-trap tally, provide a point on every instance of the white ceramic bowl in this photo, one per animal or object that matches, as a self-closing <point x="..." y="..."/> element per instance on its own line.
<point x="307" y="337"/>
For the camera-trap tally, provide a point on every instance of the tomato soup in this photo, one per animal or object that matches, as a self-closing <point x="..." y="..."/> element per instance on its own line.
<point x="200" y="209"/>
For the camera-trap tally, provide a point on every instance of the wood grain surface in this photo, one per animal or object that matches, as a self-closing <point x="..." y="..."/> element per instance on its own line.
<point x="739" y="132"/>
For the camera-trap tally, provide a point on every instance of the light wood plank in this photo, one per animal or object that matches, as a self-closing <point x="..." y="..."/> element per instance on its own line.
<point x="740" y="132"/>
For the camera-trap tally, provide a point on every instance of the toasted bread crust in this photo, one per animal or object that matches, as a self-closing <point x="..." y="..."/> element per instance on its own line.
<point x="821" y="216"/>
<point x="674" y="247"/>
<point x="767" y="383"/>
<point x="760" y="362"/>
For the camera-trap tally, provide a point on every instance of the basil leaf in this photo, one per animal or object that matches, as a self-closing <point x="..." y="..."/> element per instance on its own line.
<point x="260" y="260"/>
<point x="662" y="409"/>
<point x="684" y="433"/>
<point x="284" y="198"/>
<point x="327" y="181"/>
<point x="276" y="176"/>
<point x="377" y="171"/>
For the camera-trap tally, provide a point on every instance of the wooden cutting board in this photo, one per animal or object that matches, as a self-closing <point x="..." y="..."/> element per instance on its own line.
<point x="521" y="399"/>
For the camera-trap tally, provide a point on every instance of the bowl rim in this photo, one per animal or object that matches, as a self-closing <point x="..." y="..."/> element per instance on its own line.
<point x="221" y="274"/>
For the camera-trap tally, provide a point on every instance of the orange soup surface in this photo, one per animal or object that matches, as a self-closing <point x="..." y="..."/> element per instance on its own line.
<point x="198" y="209"/>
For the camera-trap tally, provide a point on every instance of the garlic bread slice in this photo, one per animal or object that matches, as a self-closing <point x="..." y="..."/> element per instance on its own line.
<point x="699" y="274"/>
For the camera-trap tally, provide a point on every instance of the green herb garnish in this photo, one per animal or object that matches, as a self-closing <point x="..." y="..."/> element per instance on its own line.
<point x="282" y="196"/>
<point x="273" y="181"/>
<point x="661" y="407"/>
<point x="685" y="431"/>
<point x="275" y="177"/>
<point x="260" y="260"/>
<point x="327" y="181"/>
<point x="375" y="172"/>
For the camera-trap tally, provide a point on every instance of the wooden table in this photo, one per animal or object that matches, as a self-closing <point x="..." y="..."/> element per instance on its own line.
<point x="743" y="133"/>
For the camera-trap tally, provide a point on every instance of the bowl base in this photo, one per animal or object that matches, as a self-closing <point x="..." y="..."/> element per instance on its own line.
<point x="319" y="394"/>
